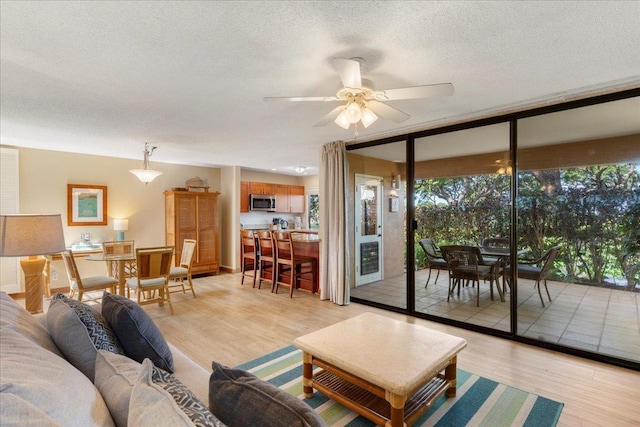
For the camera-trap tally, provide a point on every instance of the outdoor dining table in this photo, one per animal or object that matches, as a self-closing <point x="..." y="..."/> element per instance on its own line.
<point x="503" y="255"/>
<point x="120" y="260"/>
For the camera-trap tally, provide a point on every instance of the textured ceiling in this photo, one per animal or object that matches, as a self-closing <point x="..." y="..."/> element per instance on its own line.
<point x="189" y="77"/>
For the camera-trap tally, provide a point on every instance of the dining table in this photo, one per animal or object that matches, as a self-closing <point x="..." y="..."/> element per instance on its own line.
<point x="120" y="260"/>
<point x="503" y="259"/>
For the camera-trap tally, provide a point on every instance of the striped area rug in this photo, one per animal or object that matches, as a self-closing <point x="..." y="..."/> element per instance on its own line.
<point x="478" y="402"/>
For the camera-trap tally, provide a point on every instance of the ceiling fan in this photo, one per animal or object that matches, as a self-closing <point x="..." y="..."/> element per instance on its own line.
<point x="362" y="102"/>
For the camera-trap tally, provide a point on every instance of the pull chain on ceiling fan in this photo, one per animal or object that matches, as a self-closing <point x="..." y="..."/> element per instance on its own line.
<point x="363" y="102"/>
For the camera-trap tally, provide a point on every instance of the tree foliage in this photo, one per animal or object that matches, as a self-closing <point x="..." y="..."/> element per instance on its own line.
<point x="592" y="212"/>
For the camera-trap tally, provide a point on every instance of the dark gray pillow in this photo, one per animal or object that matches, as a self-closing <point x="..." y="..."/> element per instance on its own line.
<point x="239" y="398"/>
<point x="188" y="403"/>
<point x="79" y="332"/>
<point x="136" y="331"/>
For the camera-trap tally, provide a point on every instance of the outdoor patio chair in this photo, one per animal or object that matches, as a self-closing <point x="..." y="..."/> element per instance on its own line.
<point x="433" y="257"/>
<point x="464" y="266"/>
<point x="536" y="270"/>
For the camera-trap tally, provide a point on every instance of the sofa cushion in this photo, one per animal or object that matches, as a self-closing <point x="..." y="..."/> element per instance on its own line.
<point x="136" y="331"/>
<point x="239" y="398"/>
<point x="39" y="388"/>
<point x="115" y="377"/>
<point x="16" y="318"/>
<point x="152" y="405"/>
<point x="80" y="331"/>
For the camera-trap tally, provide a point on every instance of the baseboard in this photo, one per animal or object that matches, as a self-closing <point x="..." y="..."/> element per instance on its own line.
<point x="228" y="269"/>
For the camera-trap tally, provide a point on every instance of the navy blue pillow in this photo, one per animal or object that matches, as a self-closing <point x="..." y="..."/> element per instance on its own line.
<point x="138" y="334"/>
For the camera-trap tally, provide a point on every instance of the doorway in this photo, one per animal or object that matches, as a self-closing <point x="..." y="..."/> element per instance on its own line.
<point x="368" y="229"/>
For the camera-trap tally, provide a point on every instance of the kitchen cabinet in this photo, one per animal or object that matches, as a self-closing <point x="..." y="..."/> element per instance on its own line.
<point x="296" y="199"/>
<point x="289" y="198"/>
<point x="194" y="215"/>
<point x="261" y="188"/>
<point x="244" y="196"/>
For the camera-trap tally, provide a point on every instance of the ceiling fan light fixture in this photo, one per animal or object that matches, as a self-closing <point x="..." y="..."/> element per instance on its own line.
<point x="342" y="120"/>
<point x="368" y="117"/>
<point x="354" y="113"/>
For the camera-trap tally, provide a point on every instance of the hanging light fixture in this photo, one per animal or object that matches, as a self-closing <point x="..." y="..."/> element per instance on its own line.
<point x="145" y="174"/>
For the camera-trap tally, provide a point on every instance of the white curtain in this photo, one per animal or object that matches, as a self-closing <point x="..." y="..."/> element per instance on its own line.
<point x="334" y="280"/>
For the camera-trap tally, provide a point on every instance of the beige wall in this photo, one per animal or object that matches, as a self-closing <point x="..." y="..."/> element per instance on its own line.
<point x="44" y="176"/>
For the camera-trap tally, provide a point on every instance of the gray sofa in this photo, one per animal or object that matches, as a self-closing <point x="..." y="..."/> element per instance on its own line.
<point x="78" y="366"/>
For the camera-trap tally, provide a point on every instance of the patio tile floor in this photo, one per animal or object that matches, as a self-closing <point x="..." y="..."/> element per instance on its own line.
<point x="597" y="319"/>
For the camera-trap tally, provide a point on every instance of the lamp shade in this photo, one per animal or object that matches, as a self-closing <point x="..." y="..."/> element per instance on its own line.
<point x="146" y="175"/>
<point x="121" y="224"/>
<point x="31" y="234"/>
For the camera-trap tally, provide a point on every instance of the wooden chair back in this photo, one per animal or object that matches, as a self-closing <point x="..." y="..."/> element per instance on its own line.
<point x="154" y="263"/>
<point x="72" y="269"/>
<point x="188" y="250"/>
<point x="118" y="247"/>
<point x="265" y="240"/>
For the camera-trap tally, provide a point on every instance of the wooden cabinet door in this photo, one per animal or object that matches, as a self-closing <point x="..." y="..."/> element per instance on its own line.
<point x="268" y="188"/>
<point x="244" y="196"/>
<point x="296" y="199"/>
<point x="255" y="188"/>
<point x="207" y="248"/>
<point x="186" y="222"/>
<point x="282" y="198"/>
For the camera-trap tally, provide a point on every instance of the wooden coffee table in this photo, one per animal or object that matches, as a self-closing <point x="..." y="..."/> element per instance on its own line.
<point x="387" y="370"/>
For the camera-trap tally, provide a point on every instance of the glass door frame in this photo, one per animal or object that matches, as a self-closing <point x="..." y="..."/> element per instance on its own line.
<point x="512" y="118"/>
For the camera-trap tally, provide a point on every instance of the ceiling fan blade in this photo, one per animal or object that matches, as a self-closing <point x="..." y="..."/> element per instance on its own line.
<point x="330" y="117"/>
<point x="414" y="92"/>
<point x="300" y="98"/>
<point x="387" y="112"/>
<point x="349" y="71"/>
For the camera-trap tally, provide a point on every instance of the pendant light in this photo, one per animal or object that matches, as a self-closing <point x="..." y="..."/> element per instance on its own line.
<point x="145" y="174"/>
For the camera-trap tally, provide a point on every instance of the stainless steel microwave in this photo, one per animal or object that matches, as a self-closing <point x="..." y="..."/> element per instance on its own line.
<point x="263" y="202"/>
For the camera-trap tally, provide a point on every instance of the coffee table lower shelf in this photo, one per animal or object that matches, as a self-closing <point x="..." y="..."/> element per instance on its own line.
<point x="371" y="403"/>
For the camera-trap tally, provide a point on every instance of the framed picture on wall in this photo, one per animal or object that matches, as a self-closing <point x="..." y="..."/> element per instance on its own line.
<point x="86" y="204"/>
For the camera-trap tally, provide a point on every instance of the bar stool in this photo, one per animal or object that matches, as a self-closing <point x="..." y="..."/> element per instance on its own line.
<point x="267" y="257"/>
<point x="250" y="256"/>
<point x="288" y="264"/>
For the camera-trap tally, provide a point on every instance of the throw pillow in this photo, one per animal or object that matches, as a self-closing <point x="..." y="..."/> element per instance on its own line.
<point x="38" y="388"/>
<point x="151" y="405"/>
<point x="79" y="331"/>
<point x="115" y="377"/>
<point x="136" y="331"/>
<point x="239" y="398"/>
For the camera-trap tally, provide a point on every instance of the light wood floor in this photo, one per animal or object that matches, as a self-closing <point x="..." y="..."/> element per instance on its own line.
<point x="232" y="324"/>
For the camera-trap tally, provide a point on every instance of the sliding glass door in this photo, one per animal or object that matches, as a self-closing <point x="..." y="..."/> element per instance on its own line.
<point x="462" y="197"/>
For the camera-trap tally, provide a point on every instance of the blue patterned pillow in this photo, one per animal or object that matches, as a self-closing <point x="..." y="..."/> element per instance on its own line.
<point x="193" y="408"/>
<point x="79" y="331"/>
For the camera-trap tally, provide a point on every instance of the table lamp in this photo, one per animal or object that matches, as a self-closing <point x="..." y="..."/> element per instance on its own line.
<point x="120" y="225"/>
<point x="31" y="235"/>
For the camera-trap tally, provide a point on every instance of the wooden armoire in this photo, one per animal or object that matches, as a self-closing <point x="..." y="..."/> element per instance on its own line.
<point x="194" y="215"/>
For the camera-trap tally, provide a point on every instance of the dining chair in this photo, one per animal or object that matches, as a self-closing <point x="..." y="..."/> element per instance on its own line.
<point x="267" y="258"/>
<point x="154" y="266"/>
<point x="536" y="270"/>
<point x="85" y="284"/>
<point x="289" y="265"/>
<point x="249" y="255"/>
<point x="183" y="270"/>
<point x="464" y="266"/>
<point x="494" y="242"/>
<point x="120" y="247"/>
<point x="433" y="257"/>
